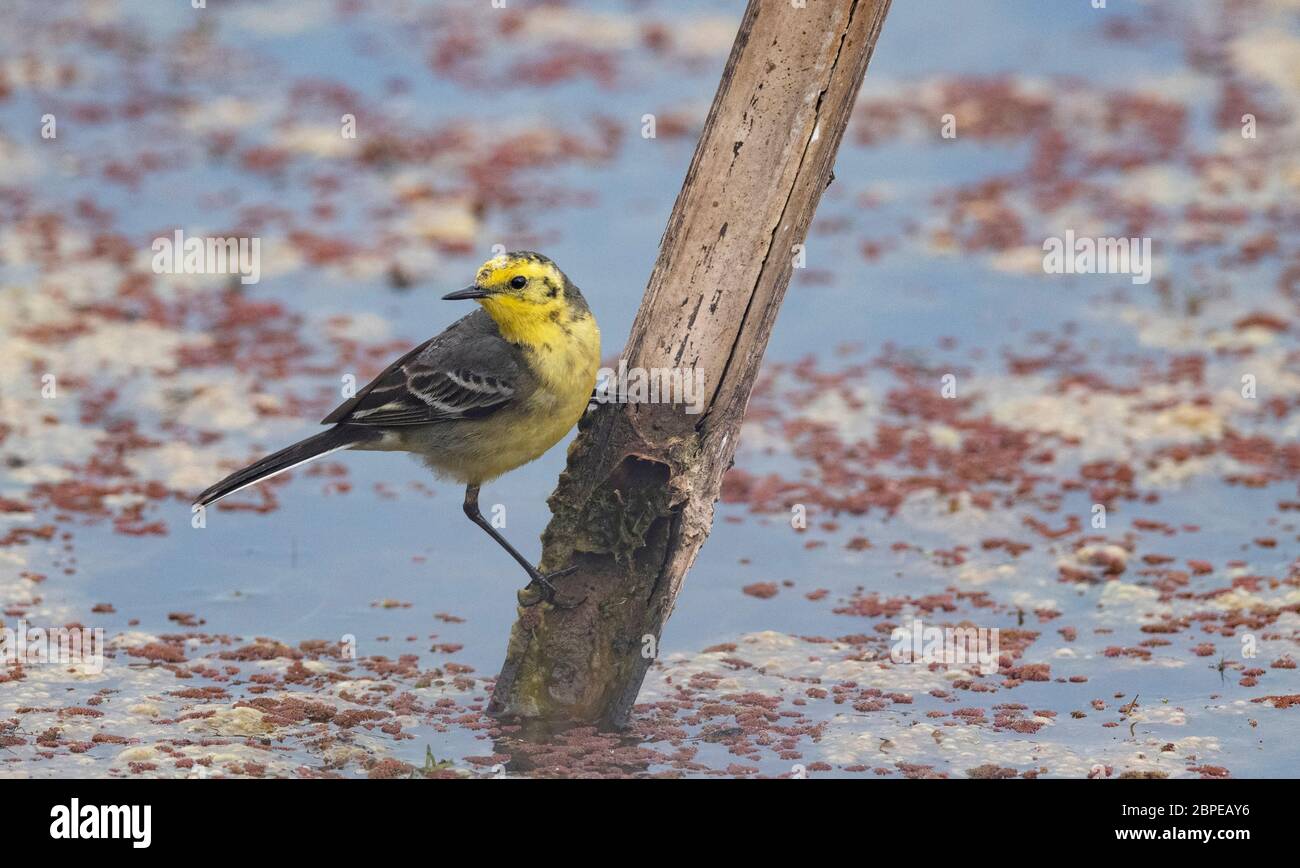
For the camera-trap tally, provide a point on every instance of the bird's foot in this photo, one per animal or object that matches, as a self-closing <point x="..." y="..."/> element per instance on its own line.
<point x="540" y="589"/>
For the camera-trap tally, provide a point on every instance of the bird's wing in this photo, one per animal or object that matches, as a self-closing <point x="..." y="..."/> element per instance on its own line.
<point x="457" y="375"/>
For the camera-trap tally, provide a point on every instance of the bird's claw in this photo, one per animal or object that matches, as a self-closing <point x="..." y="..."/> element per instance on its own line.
<point x="547" y="591"/>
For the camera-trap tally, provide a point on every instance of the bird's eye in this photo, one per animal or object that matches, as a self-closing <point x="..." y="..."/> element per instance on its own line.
<point x="519" y="281"/>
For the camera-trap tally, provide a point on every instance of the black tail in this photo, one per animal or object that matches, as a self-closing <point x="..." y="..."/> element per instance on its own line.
<point x="336" y="438"/>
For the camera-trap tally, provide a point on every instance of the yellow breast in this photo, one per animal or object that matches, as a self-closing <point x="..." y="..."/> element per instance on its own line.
<point x="563" y="355"/>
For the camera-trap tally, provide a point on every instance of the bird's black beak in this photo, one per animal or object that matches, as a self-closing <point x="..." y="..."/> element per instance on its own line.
<point x="468" y="292"/>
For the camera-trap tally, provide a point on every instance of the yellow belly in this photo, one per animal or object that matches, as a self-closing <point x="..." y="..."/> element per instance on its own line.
<point x="510" y="439"/>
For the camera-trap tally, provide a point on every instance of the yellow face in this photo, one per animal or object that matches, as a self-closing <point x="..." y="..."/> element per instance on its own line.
<point x="519" y="279"/>
<point x="529" y="298"/>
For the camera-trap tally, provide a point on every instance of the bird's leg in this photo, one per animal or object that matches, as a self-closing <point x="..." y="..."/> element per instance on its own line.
<point x="535" y="576"/>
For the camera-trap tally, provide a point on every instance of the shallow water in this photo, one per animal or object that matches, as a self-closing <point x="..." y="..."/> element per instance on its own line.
<point x="477" y="127"/>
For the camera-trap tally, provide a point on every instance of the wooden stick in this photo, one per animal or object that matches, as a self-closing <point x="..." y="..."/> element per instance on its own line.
<point x="635" y="502"/>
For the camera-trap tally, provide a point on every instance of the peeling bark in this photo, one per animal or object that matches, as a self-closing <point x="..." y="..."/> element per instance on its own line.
<point x="635" y="502"/>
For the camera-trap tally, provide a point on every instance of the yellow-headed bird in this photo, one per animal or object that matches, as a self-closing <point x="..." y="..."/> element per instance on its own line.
<point x="492" y="392"/>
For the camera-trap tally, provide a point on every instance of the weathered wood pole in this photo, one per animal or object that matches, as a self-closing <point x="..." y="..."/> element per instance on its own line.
<point x="635" y="502"/>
